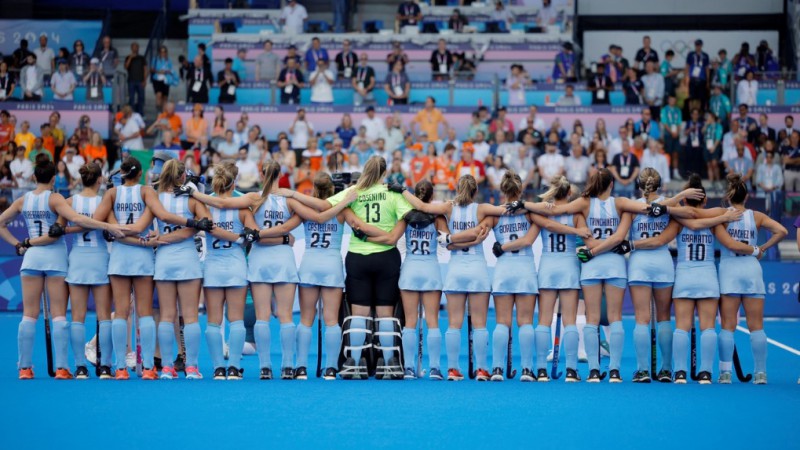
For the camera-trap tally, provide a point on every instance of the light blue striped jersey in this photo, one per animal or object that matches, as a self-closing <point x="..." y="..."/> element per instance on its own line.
<point x="561" y="244"/>
<point x="421" y="241"/>
<point x="176" y="205"/>
<point x="37" y="213"/>
<point x="326" y="235"/>
<point x="743" y="230"/>
<point x="129" y="206"/>
<point x="86" y="206"/>
<point x="695" y="246"/>
<point x="463" y="218"/>
<point x="272" y="212"/>
<point x="511" y="228"/>
<point x="228" y="220"/>
<point x="603" y="219"/>
<point x="644" y="226"/>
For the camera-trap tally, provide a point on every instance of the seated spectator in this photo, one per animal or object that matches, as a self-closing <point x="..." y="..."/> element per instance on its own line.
<point x="219" y="125"/>
<point x="288" y="160"/>
<point x="353" y="163"/>
<point x="346" y="61"/>
<point x="601" y="85"/>
<point x="248" y="178"/>
<point x="457" y="21"/>
<point x="337" y="160"/>
<point x="615" y="147"/>
<point x="228" y="149"/>
<point x="475" y="126"/>
<point x="480" y="148"/>
<point x="494" y="175"/>
<point x="22" y="169"/>
<point x="441" y="62"/>
<point x="314" y="155"/>
<point x="624" y="168"/>
<point x="647" y="127"/>
<point x="199" y="82"/>
<point x="569" y="98"/>
<point x="599" y="161"/>
<point x="521" y="161"/>
<point x="564" y="67"/>
<point x="168" y="120"/>
<point x="363" y="83"/>
<point x="502" y="148"/>
<point x="268" y="64"/>
<point x="315" y="54"/>
<point x="791" y="162"/>
<point x="576" y="167"/>
<point x="396" y="132"/>
<point x="25" y="138"/>
<point x="501" y="14"/>
<point x="550" y="164"/>
<point x="167" y="145"/>
<point x="7" y="83"/>
<point x="538" y="122"/>
<point x="293" y="17"/>
<point x="301" y="130"/>
<point x="196" y="127"/>
<point x="290" y="81"/>
<point x="397" y="54"/>
<point x="469" y="165"/>
<point x="240" y="135"/>
<point x="375" y="126"/>
<point x="747" y="89"/>
<point x="6" y="131"/>
<point x="364" y="152"/>
<point x="345" y="130"/>
<point x="633" y="89"/>
<point x="321" y="80"/>
<point x="291" y="54"/>
<point x="740" y="164"/>
<point x="31" y="80"/>
<point x="361" y="136"/>
<point x="95" y="150"/>
<point x="48" y="141"/>
<point x="228" y="81"/>
<point x="38" y="149"/>
<point x="501" y="122"/>
<point x="408" y="15"/>
<point x="73" y="160"/>
<point x="516" y="83"/>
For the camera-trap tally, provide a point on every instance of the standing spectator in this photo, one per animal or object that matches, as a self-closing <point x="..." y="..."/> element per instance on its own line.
<point x="615" y="146"/>
<point x="45" y="57"/>
<point x="108" y="56"/>
<point x="293" y="17"/>
<point x="136" y="66"/>
<point x="345" y="131"/>
<point x="441" y="62"/>
<point x="199" y="82"/>
<point x="480" y="147"/>
<point x="346" y="61"/>
<point x="22" y="169"/>
<point x="397" y="85"/>
<point x="653" y="89"/>
<point x="363" y="151"/>
<point x="375" y="126"/>
<point x="564" y="67"/>
<point x="764" y="129"/>
<point x="645" y="55"/>
<point x="429" y="119"/>
<point x="601" y="86"/>
<point x="712" y="133"/>
<point x="31" y="79"/>
<point x="290" y="81"/>
<point x="669" y="73"/>
<point x="618" y="63"/>
<point x="765" y="60"/>
<point x="788" y="123"/>
<point x="569" y="98"/>
<point x="506" y="150"/>
<point x="314" y="54"/>
<point x="130" y="130"/>
<point x="397" y="54"/>
<point x="94" y="80"/>
<point x="633" y="89"/>
<point x="6" y="131"/>
<point x="228" y="149"/>
<point x="791" y="162"/>
<point x="672" y="119"/>
<point x="502" y="15"/>
<point x="63" y="82"/>
<point x="20" y="55"/>
<point x="692" y="161"/>
<point x="647" y="128"/>
<point x="240" y="64"/>
<point x="363" y="83"/>
<point x="196" y="127"/>
<point x="516" y="83"/>
<point x="697" y="71"/>
<point x="291" y="53"/>
<point x="740" y="164"/>
<point x="267" y="64"/>
<point x="228" y="81"/>
<point x="79" y="60"/>
<point x="743" y="61"/>
<point x="747" y="123"/>
<point x="532" y="118"/>
<point x="300" y="130"/>
<point x="477" y="125"/>
<point x="7" y="84"/>
<point x="747" y="90"/>
<point x="625" y="168"/>
<point x="724" y="69"/>
<point x="163" y="77"/>
<point x="655" y="157"/>
<point x="577" y="166"/>
<point x="408" y="15"/>
<point x="321" y="80"/>
<point x="550" y="164"/>
<point x="770" y="182"/>
<point x="728" y="147"/>
<point x="247" y="180"/>
<point x="457" y="21"/>
<point x="396" y="132"/>
<point x="96" y="150"/>
<point x="720" y="105"/>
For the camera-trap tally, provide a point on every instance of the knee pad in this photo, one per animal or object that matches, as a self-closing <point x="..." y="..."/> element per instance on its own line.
<point x="388" y="337"/>
<point x="357" y="334"/>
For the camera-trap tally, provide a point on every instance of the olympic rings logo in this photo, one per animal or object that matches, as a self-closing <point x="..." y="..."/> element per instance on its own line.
<point x="680" y="47"/>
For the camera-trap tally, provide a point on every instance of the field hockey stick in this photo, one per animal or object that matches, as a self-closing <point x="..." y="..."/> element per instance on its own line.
<point x="653" y="354"/>
<point x="738" y="366"/>
<point x="510" y="372"/>
<point x="420" y="372"/>
<point x="554" y="373"/>
<point x="602" y="374"/>
<point x="182" y="339"/>
<point x="138" y="342"/>
<point x="470" y="365"/>
<point x="694" y="354"/>
<point x="319" y="338"/>
<point x="48" y="338"/>
<point x="97" y="345"/>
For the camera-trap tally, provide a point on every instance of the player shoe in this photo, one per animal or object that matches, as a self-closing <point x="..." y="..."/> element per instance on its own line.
<point x="572" y="376"/>
<point x="193" y="374"/>
<point x="105" y="373"/>
<point x="81" y="373"/>
<point x="527" y="376"/>
<point x="394" y="370"/>
<point x="301" y="373"/>
<point x="594" y="376"/>
<point x="234" y="373"/>
<point x="167" y="373"/>
<point x="541" y="376"/>
<point x="435" y="374"/>
<point x="26" y="373"/>
<point x="454" y="375"/>
<point x="266" y="374"/>
<point x="664" y="376"/>
<point x="330" y="374"/>
<point x="482" y="375"/>
<point x="409" y="374"/>
<point x="122" y="374"/>
<point x="614" y="376"/>
<point x="63" y="374"/>
<point x="497" y="374"/>
<point x="287" y="373"/>
<point x="641" y="376"/>
<point x="219" y="373"/>
<point x="724" y="377"/>
<point x="760" y="378"/>
<point x="704" y="378"/>
<point x="680" y="377"/>
<point x="150" y="374"/>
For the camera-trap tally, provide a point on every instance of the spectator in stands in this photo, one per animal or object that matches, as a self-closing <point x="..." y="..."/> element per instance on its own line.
<point x="31" y="79"/>
<point x="346" y="61"/>
<point x="770" y="177"/>
<point x="476" y="125"/>
<point x="502" y="15"/>
<point x="672" y="120"/>
<point x="740" y="164"/>
<point x="300" y="130"/>
<point x="293" y="17"/>
<point x="130" y="130"/>
<point x="321" y="81"/>
<point x="788" y="123"/>
<point x="375" y="126"/>
<point x="240" y="64"/>
<point x="199" y="82"/>
<point x="747" y="123"/>
<point x="653" y="88"/>
<point x="669" y="73"/>
<point x="94" y="81"/>
<point x="22" y="169"/>
<point x="136" y="66"/>
<point x="457" y="21"/>
<point x="764" y="129"/>
<point x="599" y="161"/>
<point x="360" y="136"/>
<point x="163" y="77"/>
<point x="6" y="131"/>
<point x="569" y="98"/>
<point x="724" y="69"/>
<point x="7" y="84"/>
<point x="84" y="130"/>
<point x="550" y="164"/>
<point x="45" y="57"/>
<point x="441" y="62"/>
<point x="248" y="172"/>
<point x="616" y="144"/>
<point x="397" y="85"/>
<point x="267" y="64"/>
<point x="314" y="54"/>
<point x="532" y="120"/>
<point x="765" y="59"/>
<point x="429" y="120"/>
<point x="644" y="55"/>
<point x="108" y="56"/>
<point x="601" y="86"/>
<point x="633" y="88"/>
<point x="240" y="135"/>
<point x="577" y="167"/>
<point x="228" y="81"/>
<point x="63" y="82"/>
<point x="712" y="134"/>
<point x="314" y="155"/>
<point x="564" y="67"/>
<point x="655" y="157"/>
<point x="38" y="149"/>
<point x="616" y="66"/>
<point x="625" y="168"/>
<point x="480" y="147"/>
<point x="494" y="175"/>
<point x="363" y="83"/>
<point x="364" y="152"/>
<point x="692" y="156"/>
<point x="697" y="70"/>
<point x="747" y="89"/>
<point x="20" y="55"/>
<point x="791" y="162"/>
<point x="516" y="82"/>
<point x="743" y="61"/>
<point x="79" y="60"/>
<point x="290" y="81"/>
<point x="219" y="125"/>
<point x="470" y="165"/>
<point x="647" y="128"/>
<point x="728" y="147"/>
<point x="720" y="105"/>
<point x="396" y="132"/>
<point x="48" y="141"/>
<point x="228" y="149"/>
<point x="408" y="15"/>
<point x="345" y="130"/>
<point x="196" y="128"/>
<point x="502" y="148"/>
<point x="546" y="15"/>
<point x="397" y="54"/>
<point x="168" y="120"/>
<point x="95" y="150"/>
<point x="73" y="160"/>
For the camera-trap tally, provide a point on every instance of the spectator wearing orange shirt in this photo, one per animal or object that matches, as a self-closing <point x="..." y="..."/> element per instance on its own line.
<point x="6" y="130"/>
<point x="168" y="120"/>
<point x="48" y="141"/>
<point x="421" y="167"/>
<point x="196" y="127"/>
<point x="470" y="166"/>
<point x="429" y="120"/>
<point x="444" y="179"/>
<point x="304" y="178"/>
<point x="95" y="150"/>
<point x="314" y="156"/>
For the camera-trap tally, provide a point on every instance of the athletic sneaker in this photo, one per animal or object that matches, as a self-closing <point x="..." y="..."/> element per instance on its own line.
<point x="394" y="370"/>
<point x="614" y="376"/>
<point x="641" y="376"/>
<point x="436" y="374"/>
<point x="122" y="374"/>
<point x="168" y="373"/>
<point x="63" y="374"/>
<point x="541" y="376"/>
<point x="363" y="370"/>
<point x="26" y="373"/>
<point x="266" y="373"/>
<point x="497" y="374"/>
<point x="664" y="376"/>
<point x="301" y="373"/>
<point x="219" y="373"/>
<point x="130" y="360"/>
<point x="105" y="373"/>
<point x="193" y="374"/>
<point x="90" y="351"/>
<point x="594" y="376"/>
<point x="572" y="376"/>
<point x="680" y="377"/>
<point x="330" y="374"/>
<point x="527" y="376"/>
<point x="150" y="374"/>
<point x="704" y="378"/>
<point x="409" y="374"/>
<point x="287" y="373"/>
<point x="482" y="375"/>
<point x="454" y="375"/>
<point x="760" y="378"/>
<point x="81" y="373"/>
<point x="234" y="374"/>
<point x="724" y="377"/>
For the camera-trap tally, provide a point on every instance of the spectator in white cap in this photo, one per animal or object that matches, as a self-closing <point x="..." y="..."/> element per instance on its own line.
<point x="94" y="80"/>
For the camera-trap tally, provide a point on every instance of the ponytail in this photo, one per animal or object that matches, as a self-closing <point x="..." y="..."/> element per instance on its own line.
<point x="598" y="183"/>
<point x="511" y="184"/>
<point x="223" y="180"/>
<point x="171" y="175"/>
<point x="373" y="173"/>
<point x="466" y="190"/>
<point x="560" y="188"/>
<point x="649" y="181"/>
<point x="272" y="171"/>
<point x="737" y="189"/>
<point x="695" y="182"/>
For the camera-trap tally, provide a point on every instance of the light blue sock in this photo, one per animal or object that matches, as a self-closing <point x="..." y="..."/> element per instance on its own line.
<point x="303" y="336"/>
<point x="480" y="339"/>
<point x="61" y="342"/>
<point x="77" y="337"/>
<point x="571" y="339"/>
<point x="166" y="343"/>
<point x="104" y="343"/>
<point x="262" y="335"/>
<point x="410" y="344"/>
<point x="452" y="342"/>
<point x="499" y="345"/>
<point x="333" y="342"/>
<point x="26" y="335"/>
<point x="214" y="343"/>
<point x="708" y="349"/>
<point x="542" y="346"/>
<point x="119" y="338"/>
<point x="147" y="334"/>
<point x="236" y="344"/>
<point x="386" y="327"/>
<point x="616" y="344"/>
<point x="591" y="340"/>
<point x="526" y="344"/>
<point x="725" y="343"/>
<point x="641" y="342"/>
<point x="287" y="344"/>
<point x="357" y="338"/>
<point x="758" y="344"/>
<point x="434" y="348"/>
<point x="191" y="337"/>
<point x="680" y="349"/>
<point x="664" y="336"/>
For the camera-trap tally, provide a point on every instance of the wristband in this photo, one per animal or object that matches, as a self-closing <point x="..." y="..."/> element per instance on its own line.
<point x="756" y="251"/>
<point x="27" y="243"/>
<point x="285" y="239"/>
